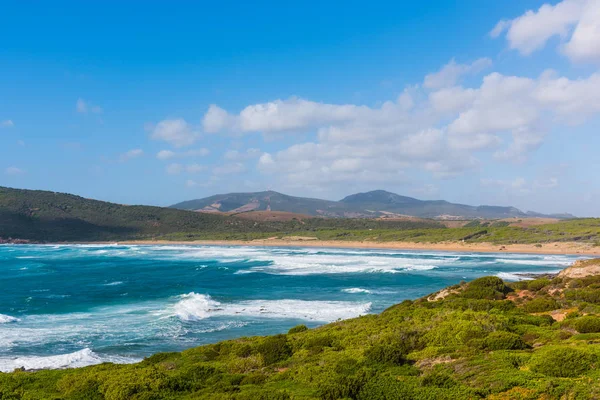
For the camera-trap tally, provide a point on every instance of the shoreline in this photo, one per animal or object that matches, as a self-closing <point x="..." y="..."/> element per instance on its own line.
<point x="562" y="248"/>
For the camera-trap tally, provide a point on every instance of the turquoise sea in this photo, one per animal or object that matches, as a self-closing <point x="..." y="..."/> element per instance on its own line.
<point x="74" y="305"/>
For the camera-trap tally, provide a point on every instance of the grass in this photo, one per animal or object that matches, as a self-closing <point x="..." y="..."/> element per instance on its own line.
<point x="578" y="230"/>
<point x="473" y="344"/>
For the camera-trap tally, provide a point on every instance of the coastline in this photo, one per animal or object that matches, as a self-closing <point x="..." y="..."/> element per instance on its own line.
<point x="571" y="248"/>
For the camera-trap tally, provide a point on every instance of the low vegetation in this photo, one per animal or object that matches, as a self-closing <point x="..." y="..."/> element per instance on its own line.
<point x="484" y="340"/>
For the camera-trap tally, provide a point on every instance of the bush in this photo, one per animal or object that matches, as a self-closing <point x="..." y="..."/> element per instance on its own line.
<point x="274" y="349"/>
<point x="587" y="295"/>
<point x="243" y="351"/>
<point x="487" y="287"/>
<point x="342" y="386"/>
<point x="501" y="340"/>
<point x="562" y="362"/>
<point x="386" y="388"/>
<point x="438" y="378"/>
<point x="588" y="324"/>
<point x="317" y="343"/>
<point x="541" y="304"/>
<point x="387" y="352"/>
<point x="298" y="329"/>
<point x="537" y="284"/>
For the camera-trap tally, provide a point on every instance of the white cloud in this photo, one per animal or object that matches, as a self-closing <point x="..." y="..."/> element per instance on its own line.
<point x="176" y="168"/>
<point x="131" y="154"/>
<point x="165" y="154"/>
<point x="575" y="22"/>
<point x="439" y="132"/>
<point x="450" y="73"/>
<point x="85" y="107"/>
<point x="7" y="123"/>
<point x="227" y="169"/>
<point x="13" y="171"/>
<point x="520" y="185"/>
<point x="278" y="116"/>
<point x="549" y="183"/>
<point x="195" y="168"/>
<point x="168" y="154"/>
<point x="176" y="132"/>
<point x="235" y="155"/>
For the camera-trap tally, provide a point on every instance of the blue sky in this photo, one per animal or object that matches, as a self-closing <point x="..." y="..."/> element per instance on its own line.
<point x="475" y="102"/>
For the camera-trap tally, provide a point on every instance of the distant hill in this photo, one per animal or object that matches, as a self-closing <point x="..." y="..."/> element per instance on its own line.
<point x="43" y="216"/>
<point x="48" y="216"/>
<point x="377" y="203"/>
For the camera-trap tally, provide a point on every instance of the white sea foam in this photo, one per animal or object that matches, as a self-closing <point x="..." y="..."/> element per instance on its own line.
<point x="194" y="307"/>
<point x="116" y="283"/>
<point x="546" y="261"/>
<point x="5" y="319"/>
<point x="356" y="290"/>
<point x="507" y="276"/>
<point x="77" y="359"/>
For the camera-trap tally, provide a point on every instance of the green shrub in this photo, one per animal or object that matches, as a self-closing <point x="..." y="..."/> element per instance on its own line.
<point x="438" y="378"/>
<point x="562" y="362"/>
<point x="342" y="386"/>
<point x="501" y="340"/>
<point x="387" y="352"/>
<point x="587" y="324"/>
<point x="587" y="295"/>
<point x="387" y="387"/>
<point x="541" y="304"/>
<point x="537" y="284"/>
<point x="254" y="379"/>
<point x="316" y="344"/>
<point x="298" y="329"/>
<point x="487" y="287"/>
<point x="274" y="349"/>
<point x="243" y="351"/>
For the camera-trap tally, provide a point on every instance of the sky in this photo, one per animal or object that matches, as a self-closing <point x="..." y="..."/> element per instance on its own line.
<point x="476" y="102"/>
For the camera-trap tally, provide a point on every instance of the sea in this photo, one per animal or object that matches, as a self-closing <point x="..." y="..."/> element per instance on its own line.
<point x="76" y="305"/>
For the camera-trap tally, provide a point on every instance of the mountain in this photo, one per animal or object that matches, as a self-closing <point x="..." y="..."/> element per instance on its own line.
<point x="377" y="203"/>
<point x="43" y="216"/>
<point x="259" y="201"/>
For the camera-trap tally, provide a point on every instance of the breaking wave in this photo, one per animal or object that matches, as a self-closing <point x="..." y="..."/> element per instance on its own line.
<point x="5" y="319"/>
<point x="194" y="307"/>
<point x="81" y="358"/>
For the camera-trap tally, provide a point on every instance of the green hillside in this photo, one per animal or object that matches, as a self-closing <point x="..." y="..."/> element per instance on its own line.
<point x="481" y="340"/>
<point x="48" y="216"/>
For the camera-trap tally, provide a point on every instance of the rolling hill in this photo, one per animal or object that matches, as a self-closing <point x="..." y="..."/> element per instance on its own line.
<point x="374" y="204"/>
<point x="44" y="216"/>
<point x="48" y="216"/>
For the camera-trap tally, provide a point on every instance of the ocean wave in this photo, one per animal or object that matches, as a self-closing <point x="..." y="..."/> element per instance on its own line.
<point x="115" y="283"/>
<point x="356" y="290"/>
<point x="81" y="358"/>
<point x="545" y="261"/>
<point x="195" y="307"/>
<point x="5" y="319"/>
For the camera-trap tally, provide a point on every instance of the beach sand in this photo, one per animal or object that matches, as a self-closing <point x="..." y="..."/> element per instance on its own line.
<point x="547" y="248"/>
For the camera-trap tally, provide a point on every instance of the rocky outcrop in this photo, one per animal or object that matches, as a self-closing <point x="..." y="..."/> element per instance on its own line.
<point x="581" y="269"/>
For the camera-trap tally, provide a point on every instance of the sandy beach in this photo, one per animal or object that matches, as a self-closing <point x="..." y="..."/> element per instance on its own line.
<point x="547" y="248"/>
